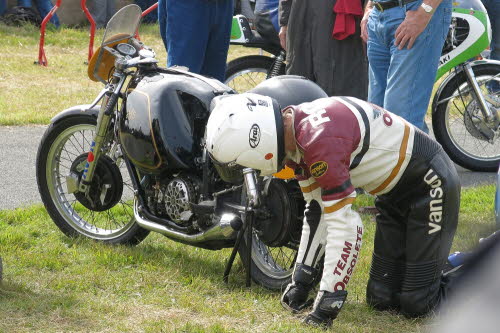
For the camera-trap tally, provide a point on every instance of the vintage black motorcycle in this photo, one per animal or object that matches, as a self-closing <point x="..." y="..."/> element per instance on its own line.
<point x="137" y="163"/>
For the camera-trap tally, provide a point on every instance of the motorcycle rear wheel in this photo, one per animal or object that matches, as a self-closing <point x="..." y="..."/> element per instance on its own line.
<point x="455" y="122"/>
<point x="62" y="150"/>
<point x="272" y="267"/>
<point x="243" y="74"/>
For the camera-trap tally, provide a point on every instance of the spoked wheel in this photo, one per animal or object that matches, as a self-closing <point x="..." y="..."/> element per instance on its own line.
<point x="243" y="74"/>
<point x="460" y="126"/>
<point x="276" y="236"/>
<point x="106" y="213"/>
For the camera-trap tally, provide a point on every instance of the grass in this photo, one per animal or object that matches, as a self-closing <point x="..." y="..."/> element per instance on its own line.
<point x="32" y="94"/>
<point x="53" y="283"/>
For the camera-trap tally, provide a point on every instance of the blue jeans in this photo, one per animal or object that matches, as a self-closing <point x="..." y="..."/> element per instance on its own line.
<point x="43" y="7"/>
<point x="401" y="81"/>
<point x="196" y="34"/>
<point x="3" y="6"/>
<point x="493" y="8"/>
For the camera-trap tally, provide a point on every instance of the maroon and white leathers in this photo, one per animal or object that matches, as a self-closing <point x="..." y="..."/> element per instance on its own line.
<point x="344" y="143"/>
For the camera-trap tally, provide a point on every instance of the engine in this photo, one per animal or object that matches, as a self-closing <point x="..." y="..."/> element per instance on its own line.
<point x="171" y="198"/>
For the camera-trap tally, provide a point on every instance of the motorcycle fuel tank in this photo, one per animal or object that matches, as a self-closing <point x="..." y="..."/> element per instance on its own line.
<point x="163" y="123"/>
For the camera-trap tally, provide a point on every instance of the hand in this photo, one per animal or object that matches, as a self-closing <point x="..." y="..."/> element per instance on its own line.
<point x="282" y="35"/>
<point x="364" y="23"/>
<point x="412" y="26"/>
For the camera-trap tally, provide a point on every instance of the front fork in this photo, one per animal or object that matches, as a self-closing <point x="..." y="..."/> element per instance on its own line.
<point x="489" y="116"/>
<point x="110" y="99"/>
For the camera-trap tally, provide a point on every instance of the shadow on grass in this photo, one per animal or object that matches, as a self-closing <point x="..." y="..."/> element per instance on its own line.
<point x="19" y="303"/>
<point x="189" y="263"/>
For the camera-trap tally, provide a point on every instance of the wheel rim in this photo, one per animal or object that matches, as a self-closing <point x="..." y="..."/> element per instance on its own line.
<point x="467" y="140"/>
<point x="106" y="225"/>
<point x="246" y="79"/>
<point x="275" y="262"/>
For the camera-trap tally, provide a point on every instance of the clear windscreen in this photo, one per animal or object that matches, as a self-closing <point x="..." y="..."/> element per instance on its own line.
<point x="122" y="25"/>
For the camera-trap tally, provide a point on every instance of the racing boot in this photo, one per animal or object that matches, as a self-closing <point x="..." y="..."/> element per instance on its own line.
<point x="326" y="308"/>
<point x="296" y="295"/>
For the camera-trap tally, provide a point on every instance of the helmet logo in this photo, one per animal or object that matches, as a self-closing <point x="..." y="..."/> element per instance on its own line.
<point x="254" y="136"/>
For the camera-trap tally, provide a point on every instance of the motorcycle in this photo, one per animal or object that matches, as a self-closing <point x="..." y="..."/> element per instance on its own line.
<point x="137" y="163"/>
<point x="465" y="107"/>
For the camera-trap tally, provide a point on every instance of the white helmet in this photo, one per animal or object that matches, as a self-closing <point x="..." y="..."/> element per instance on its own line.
<point x="246" y="130"/>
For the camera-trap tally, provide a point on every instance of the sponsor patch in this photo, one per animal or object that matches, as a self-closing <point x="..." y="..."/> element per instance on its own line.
<point x="318" y="169"/>
<point x="254" y="136"/>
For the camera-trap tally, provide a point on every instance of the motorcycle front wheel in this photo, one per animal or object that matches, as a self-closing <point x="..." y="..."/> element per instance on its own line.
<point x="107" y="213"/>
<point x="459" y="125"/>
<point x="245" y="73"/>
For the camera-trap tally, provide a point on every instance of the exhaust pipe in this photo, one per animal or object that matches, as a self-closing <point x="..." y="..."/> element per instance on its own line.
<point x="222" y="230"/>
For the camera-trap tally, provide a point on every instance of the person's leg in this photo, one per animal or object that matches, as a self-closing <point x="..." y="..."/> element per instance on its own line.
<point x="379" y="58"/>
<point x="387" y="268"/>
<point x="340" y="66"/>
<point x="110" y="9"/>
<point x="412" y="72"/>
<point x="3" y="6"/>
<point x="214" y="64"/>
<point x="24" y="3"/>
<point x="299" y="49"/>
<point x="431" y="226"/>
<point x="187" y="33"/>
<point x="44" y="7"/>
<point x="493" y="8"/>
<point x="162" y="20"/>
<point x="98" y="13"/>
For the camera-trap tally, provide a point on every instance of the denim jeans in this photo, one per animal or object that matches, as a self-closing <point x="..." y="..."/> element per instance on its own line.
<point x="43" y="7"/>
<point x="196" y="34"/>
<point x="401" y="81"/>
<point x="493" y="8"/>
<point x="3" y="6"/>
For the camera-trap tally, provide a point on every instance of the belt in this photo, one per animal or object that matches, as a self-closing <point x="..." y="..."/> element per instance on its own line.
<point x="381" y="6"/>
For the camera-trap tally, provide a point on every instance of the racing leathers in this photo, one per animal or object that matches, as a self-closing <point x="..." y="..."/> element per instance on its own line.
<point x="344" y="143"/>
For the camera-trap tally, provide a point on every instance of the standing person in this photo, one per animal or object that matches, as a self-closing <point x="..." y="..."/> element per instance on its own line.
<point x="335" y="145"/>
<point x="336" y="62"/>
<point x="196" y="34"/>
<point x="3" y="6"/>
<point x="43" y="7"/>
<point x="493" y="8"/>
<point x="102" y="11"/>
<point x="404" y="42"/>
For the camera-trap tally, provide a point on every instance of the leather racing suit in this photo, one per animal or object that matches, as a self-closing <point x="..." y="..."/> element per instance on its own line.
<point x="345" y="143"/>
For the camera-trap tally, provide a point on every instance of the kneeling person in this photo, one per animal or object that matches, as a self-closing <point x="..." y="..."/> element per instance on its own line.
<point x="335" y="145"/>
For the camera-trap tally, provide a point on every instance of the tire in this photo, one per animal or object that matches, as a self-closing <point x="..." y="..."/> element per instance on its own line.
<point x="62" y="150"/>
<point x="243" y="74"/>
<point x="267" y="262"/>
<point x="454" y="122"/>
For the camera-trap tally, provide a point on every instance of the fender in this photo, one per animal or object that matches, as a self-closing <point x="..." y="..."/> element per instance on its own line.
<point x="453" y="74"/>
<point x="76" y="110"/>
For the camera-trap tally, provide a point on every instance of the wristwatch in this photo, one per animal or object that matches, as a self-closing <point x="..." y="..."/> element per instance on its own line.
<point x="428" y="9"/>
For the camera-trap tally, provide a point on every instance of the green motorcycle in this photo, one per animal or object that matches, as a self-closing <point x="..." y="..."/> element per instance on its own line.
<point x="466" y="105"/>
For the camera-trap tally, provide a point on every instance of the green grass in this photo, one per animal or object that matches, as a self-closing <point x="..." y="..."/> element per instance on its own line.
<point x="32" y="94"/>
<point x="53" y="283"/>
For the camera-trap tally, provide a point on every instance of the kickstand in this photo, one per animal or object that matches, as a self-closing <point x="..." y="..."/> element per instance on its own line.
<point x="247" y="226"/>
